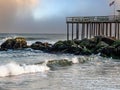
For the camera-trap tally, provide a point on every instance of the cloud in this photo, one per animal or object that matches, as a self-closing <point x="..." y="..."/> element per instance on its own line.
<point x="12" y="10"/>
<point x="45" y="15"/>
<point x="25" y="8"/>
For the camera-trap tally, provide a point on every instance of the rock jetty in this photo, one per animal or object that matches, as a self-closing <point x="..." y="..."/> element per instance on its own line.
<point x="105" y="46"/>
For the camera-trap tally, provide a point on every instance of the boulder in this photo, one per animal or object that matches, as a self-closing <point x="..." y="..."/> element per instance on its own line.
<point x="107" y="40"/>
<point x="53" y="64"/>
<point x="58" y="46"/>
<point x="86" y="51"/>
<point x="111" y="51"/>
<point x="64" y="46"/>
<point x="88" y="43"/>
<point x="99" y="47"/>
<point x="17" y="43"/>
<point x="41" y="46"/>
<point x="116" y="43"/>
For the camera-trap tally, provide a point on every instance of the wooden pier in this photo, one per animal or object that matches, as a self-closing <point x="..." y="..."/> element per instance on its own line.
<point x="88" y="27"/>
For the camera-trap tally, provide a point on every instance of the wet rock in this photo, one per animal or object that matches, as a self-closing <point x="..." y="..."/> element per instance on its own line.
<point x="41" y="46"/>
<point x="58" y="46"/>
<point x="64" y="46"/>
<point x="99" y="47"/>
<point x="59" y="63"/>
<point x="107" y="40"/>
<point x="116" y="44"/>
<point x="88" y="43"/>
<point x="17" y="43"/>
<point x="86" y="51"/>
<point x="112" y="51"/>
<point x="107" y="51"/>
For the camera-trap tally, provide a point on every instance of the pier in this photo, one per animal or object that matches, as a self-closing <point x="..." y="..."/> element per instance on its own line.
<point x="90" y="26"/>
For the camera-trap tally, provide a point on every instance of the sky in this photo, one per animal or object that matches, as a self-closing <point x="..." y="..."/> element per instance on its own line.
<point x="47" y="16"/>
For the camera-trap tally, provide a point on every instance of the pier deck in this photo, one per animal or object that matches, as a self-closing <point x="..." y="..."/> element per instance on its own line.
<point x="88" y="27"/>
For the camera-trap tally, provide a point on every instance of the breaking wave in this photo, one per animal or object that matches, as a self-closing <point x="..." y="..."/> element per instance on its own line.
<point x="12" y="69"/>
<point x="10" y="37"/>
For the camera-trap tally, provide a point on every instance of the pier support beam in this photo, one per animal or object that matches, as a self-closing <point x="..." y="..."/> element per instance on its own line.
<point x="77" y="31"/>
<point x="72" y="31"/>
<point x="87" y="33"/>
<point x="67" y="31"/>
<point x="99" y="29"/>
<point x="96" y="29"/>
<point x="110" y="29"/>
<point x="118" y="30"/>
<point x="107" y="29"/>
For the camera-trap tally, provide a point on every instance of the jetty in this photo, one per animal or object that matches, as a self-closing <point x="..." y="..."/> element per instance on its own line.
<point x="90" y="26"/>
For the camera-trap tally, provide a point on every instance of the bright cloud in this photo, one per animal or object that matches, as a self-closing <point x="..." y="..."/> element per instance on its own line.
<point x="26" y="7"/>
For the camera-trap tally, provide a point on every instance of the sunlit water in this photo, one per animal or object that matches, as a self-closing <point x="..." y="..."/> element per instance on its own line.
<point x="19" y="72"/>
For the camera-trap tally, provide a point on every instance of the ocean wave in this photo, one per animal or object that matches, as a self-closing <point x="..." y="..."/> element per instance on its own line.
<point x="10" y="37"/>
<point x="27" y="38"/>
<point x="36" y="38"/>
<point x="12" y="69"/>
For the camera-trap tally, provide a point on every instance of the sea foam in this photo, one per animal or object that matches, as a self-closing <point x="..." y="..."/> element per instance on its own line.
<point x="10" y="37"/>
<point x="13" y="68"/>
<point x="75" y="60"/>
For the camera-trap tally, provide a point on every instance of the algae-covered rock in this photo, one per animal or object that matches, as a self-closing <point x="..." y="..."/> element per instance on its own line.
<point x="64" y="46"/>
<point x="17" y="43"/>
<point x="58" y="46"/>
<point x="112" y="50"/>
<point x="86" y="51"/>
<point x="116" y="43"/>
<point x="99" y="47"/>
<point x="20" y="42"/>
<point x="59" y="63"/>
<point x="88" y="43"/>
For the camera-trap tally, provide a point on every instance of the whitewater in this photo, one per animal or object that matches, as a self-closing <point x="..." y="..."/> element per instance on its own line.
<point x="28" y="69"/>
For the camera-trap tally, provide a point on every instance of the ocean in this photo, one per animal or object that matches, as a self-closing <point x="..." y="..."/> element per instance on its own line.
<point x="18" y="69"/>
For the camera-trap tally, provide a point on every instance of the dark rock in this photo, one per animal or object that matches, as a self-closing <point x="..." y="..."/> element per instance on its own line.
<point x="64" y="46"/>
<point x="99" y="47"/>
<point x="116" y="43"/>
<point x="88" y="43"/>
<point x="58" y="46"/>
<point x="17" y="43"/>
<point x="3" y="49"/>
<point x="112" y="51"/>
<point x="41" y="46"/>
<point x="107" y="40"/>
<point x="77" y="42"/>
<point x="86" y="51"/>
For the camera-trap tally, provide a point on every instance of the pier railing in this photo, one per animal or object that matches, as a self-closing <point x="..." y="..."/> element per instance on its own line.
<point x="111" y="18"/>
